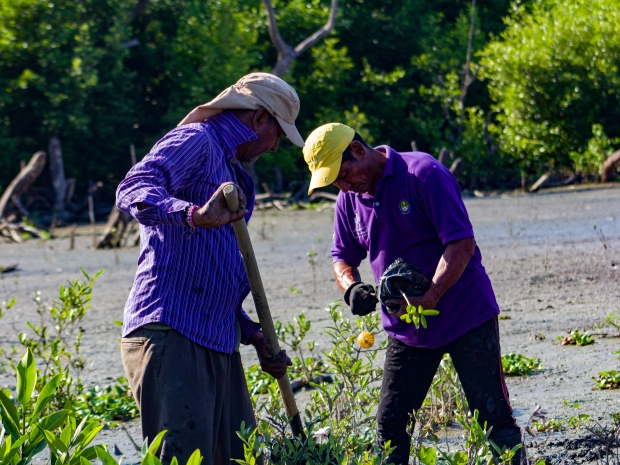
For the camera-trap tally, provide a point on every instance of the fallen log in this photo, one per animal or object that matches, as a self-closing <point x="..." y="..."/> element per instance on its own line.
<point x="8" y="268"/>
<point x="609" y="167"/>
<point x="541" y="182"/>
<point x="23" y="181"/>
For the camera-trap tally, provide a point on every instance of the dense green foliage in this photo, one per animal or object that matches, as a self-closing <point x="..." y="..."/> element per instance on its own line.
<point x="555" y="79"/>
<point x="101" y="74"/>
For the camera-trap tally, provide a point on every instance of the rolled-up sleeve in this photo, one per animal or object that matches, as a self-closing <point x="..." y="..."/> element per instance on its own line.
<point x="247" y="326"/>
<point x="346" y="247"/>
<point x="172" y="163"/>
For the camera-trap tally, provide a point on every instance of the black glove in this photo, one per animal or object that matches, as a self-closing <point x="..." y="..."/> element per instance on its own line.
<point x="401" y="278"/>
<point x="362" y="298"/>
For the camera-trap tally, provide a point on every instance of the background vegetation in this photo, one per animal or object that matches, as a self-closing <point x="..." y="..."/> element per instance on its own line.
<point x="540" y="89"/>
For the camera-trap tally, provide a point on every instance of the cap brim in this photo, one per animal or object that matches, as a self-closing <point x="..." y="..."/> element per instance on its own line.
<point x="291" y="132"/>
<point x="325" y="175"/>
<point x="199" y="114"/>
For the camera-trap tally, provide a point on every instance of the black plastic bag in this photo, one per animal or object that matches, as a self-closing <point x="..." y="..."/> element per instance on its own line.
<point x="401" y="278"/>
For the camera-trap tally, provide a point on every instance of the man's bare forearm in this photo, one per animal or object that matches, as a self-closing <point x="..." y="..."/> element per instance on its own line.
<point x="346" y="275"/>
<point x="452" y="265"/>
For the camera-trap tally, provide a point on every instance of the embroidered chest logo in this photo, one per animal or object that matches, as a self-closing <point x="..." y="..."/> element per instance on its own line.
<point x="404" y="207"/>
<point x="360" y="229"/>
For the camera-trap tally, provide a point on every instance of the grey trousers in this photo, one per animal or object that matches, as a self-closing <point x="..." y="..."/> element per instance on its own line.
<point x="198" y="395"/>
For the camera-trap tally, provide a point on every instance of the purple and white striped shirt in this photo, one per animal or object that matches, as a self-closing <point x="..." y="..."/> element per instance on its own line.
<point x="192" y="282"/>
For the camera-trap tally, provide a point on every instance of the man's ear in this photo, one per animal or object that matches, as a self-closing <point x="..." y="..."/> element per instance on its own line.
<point x="260" y="117"/>
<point x="358" y="150"/>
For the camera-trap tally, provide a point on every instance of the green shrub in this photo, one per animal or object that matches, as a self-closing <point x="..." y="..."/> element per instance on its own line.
<point x="519" y="365"/>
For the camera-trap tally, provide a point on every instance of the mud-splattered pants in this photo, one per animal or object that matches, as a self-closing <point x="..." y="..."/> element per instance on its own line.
<point x="199" y="395"/>
<point x="408" y="375"/>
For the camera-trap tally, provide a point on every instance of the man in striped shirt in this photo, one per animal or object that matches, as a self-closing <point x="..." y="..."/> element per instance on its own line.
<point x="183" y="320"/>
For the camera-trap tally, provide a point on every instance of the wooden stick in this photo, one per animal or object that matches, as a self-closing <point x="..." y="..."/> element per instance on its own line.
<point x="262" y="307"/>
<point x="91" y="216"/>
<point x="72" y="237"/>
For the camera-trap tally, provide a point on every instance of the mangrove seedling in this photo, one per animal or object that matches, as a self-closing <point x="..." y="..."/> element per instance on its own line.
<point x="608" y="380"/>
<point x="576" y="337"/>
<point x="519" y="365"/>
<point x="417" y="315"/>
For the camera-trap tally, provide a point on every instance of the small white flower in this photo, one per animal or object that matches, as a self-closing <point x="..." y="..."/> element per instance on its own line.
<point x="323" y="432"/>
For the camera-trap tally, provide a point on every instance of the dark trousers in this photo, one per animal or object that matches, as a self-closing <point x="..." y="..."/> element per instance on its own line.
<point x="408" y="375"/>
<point x="197" y="394"/>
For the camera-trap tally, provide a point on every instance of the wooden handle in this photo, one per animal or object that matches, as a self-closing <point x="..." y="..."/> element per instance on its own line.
<point x="262" y="307"/>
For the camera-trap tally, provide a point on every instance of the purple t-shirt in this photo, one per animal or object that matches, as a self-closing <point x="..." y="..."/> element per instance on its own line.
<point x="416" y="212"/>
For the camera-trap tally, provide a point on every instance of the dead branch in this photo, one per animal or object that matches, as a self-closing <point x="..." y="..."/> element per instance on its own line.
<point x="541" y="182"/>
<point x="467" y="78"/>
<point x="609" y="167"/>
<point x="115" y="230"/>
<point x="24" y="211"/>
<point x="456" y="167"/>
<point x="23" y="181"/>
<point x="323" y="195"/>
<point x="444" y="156"/>
<point x="286" y="53"/>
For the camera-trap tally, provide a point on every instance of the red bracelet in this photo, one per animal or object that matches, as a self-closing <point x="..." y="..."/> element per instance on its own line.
<point x="190" y="216"/>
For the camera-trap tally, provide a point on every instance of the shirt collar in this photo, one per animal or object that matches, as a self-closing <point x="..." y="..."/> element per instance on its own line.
<point x="389" y="160"/>
<point x="231" y="132"/>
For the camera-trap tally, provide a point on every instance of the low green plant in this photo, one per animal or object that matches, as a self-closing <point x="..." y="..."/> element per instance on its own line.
<point x="340" y="418"/>
<point x="149" y="454"/>
<point x="444" y="401"/>
<point x="110" y="404"/>
<point x="418" y="315"/>
<point x="607" y="380"/>
<point x="6" y="305"/>
<point x="519" y="365"/>
<point x="313" y="262"/>
<point x="548" y="426"/>
<point x="576" y="337"/>
<point x="578" y="421"/>
<point x="305" y="365"/>
<point x="30" y="429"/>
<point x="614" y="321"/>
<point x="56" y="341"/>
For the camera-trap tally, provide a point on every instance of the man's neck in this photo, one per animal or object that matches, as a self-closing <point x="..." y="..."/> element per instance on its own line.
<point x="378" y="161"/>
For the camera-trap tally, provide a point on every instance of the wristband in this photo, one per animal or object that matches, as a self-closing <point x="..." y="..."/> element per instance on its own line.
<point x="189" y="213"/>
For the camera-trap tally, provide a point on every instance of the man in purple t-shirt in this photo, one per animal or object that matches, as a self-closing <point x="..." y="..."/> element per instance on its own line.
<point x="407" y="205"/>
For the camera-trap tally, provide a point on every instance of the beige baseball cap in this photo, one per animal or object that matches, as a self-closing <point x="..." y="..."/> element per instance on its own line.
<point x="251" y="92"/>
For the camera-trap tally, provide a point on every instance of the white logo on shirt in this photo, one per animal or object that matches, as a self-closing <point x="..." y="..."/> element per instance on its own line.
<point x="360" y="229"/>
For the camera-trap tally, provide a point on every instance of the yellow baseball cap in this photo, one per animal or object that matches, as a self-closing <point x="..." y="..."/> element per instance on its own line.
<point x="323" y="152"/>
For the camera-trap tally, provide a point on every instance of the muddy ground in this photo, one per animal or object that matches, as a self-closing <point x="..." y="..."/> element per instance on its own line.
<point x="553" y="258"/>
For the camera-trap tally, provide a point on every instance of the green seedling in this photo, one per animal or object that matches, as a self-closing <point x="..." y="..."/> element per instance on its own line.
<point x="613" y="320"/>
<point x="575" y="337"/>
<point x="417" y="315"/>
<point x="519" y="365"/>
<point x="548" y="426"/>
<point x="608" y="380"/>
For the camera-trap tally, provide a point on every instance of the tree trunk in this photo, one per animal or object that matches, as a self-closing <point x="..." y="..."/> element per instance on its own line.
<point x="23" y="181"/>
<point x="444" y="157"/>
<point x="609" y="167"/>
<point x="57" y="167"/>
